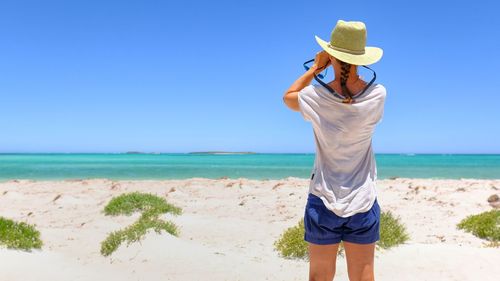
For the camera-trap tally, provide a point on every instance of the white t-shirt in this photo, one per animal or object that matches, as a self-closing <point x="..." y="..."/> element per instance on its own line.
<point x="344" y="174"/>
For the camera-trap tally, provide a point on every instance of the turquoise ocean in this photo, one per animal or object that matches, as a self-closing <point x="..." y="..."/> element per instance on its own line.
<point x="253" y="166"/>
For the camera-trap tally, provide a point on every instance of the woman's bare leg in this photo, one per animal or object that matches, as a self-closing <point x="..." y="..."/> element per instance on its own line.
<point x="360" y="261"/>
<point x="322" y="259"/>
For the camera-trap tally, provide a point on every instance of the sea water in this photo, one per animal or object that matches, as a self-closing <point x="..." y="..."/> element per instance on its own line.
<point x="253" y="166"/>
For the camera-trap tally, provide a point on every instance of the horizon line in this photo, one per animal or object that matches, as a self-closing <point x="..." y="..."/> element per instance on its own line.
<point x="247" y="153"/>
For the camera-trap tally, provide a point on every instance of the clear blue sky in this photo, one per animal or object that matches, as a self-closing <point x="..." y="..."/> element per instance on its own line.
<point x="113" y="76"/>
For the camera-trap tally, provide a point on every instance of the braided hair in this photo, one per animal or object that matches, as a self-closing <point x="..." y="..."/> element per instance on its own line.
<point x="344" y="75"/>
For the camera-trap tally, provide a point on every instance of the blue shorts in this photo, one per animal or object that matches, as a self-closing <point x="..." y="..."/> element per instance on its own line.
<point x="323" y="226"/>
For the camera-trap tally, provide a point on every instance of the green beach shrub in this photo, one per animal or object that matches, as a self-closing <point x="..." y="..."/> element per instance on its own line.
<point x="128" y="203"/>
<point x="291" y="243"/>
<point x="151" y="207"/>
<point x="392" y="231"/>
<point x="19" y="235"/>
<point x="485" y="225"/>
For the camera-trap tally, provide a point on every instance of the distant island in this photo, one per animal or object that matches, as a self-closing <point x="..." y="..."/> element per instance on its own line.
<point x="196" y="152"/>
<point x="221" y="152"/>
<point x="138" y="152"/>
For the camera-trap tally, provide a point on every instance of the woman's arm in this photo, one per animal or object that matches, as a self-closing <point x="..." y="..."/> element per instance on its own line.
<point x="290" y="98"/>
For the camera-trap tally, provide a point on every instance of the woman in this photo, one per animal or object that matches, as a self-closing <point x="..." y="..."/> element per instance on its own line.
<point x="342" y="200"/>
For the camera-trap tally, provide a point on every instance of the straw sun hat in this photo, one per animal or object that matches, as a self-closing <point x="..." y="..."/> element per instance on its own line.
<point x="348" y="44"/>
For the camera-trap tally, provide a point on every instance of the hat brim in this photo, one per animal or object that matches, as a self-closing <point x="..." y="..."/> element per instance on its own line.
<point x="371" y="55"/>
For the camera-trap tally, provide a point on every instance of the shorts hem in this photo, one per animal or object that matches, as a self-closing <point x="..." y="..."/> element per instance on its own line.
<point x="361" y="241"/>
<point x="321" y="241"/>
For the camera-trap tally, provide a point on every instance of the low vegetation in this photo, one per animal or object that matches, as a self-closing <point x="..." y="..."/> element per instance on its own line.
<point x="392" y="231"/>
<point x="151" y="207"/>
<point x="485" y="225"/>
<point x="291" y="244"/>
<point x="126" y="204"/>
<point x="19" y="235"/>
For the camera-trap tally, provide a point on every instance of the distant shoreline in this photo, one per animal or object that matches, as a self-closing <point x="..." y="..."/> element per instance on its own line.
<point x="268" y="153"/>
<point x="200" y="152"/>
<point x="222" y="152"/>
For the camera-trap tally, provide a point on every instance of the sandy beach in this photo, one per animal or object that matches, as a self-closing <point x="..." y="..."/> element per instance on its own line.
<point x="228" y="228"/>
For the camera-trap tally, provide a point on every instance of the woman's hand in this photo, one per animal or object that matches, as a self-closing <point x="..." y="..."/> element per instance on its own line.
<point x="290" y="97"/>
<point x="321" y="62"/>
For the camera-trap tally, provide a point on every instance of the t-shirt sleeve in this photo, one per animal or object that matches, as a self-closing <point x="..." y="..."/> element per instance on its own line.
<point x="307" y="102"/>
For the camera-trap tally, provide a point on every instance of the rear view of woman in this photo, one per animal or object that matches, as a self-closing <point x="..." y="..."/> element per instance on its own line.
<point x="342" y="199"/>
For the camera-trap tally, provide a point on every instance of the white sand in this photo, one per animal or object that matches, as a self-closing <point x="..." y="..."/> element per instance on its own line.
<point x="228" y="228"/>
